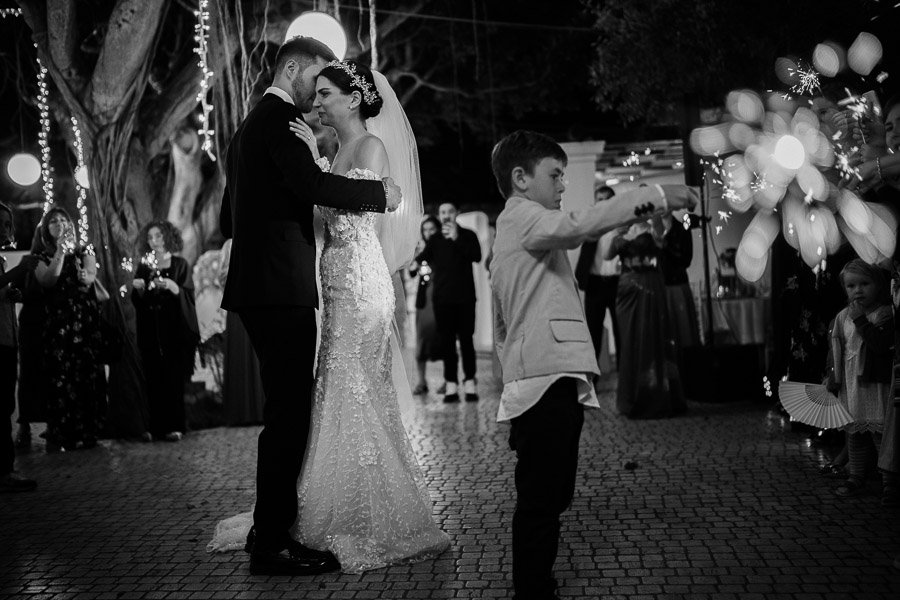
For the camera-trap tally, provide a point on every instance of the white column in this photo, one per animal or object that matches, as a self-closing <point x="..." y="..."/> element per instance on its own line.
<point x="484" y="328"/>
<point x="580" y="172"/>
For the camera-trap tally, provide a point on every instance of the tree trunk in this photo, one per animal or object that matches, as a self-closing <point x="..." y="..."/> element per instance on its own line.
<point x="186" y="155"/>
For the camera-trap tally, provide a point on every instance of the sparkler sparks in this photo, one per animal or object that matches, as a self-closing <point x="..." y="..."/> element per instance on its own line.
<point x="808" y="80"/>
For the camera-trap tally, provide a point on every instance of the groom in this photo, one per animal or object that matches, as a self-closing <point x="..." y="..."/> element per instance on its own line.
<point x="267" y="210"/>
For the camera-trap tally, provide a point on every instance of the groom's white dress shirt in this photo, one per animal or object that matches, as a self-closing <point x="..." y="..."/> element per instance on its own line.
<point x="280" y="93"/>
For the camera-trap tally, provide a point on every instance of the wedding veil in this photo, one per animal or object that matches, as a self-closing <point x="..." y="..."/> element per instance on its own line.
<point x="398" y="231"/>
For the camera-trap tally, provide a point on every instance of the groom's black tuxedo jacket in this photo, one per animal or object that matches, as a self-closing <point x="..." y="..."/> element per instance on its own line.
<point x="272" y="184"/>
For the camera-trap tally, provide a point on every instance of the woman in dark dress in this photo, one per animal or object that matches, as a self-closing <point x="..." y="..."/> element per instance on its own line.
<point x="167" y="330"/>
<point x="72" y="365"/>
<point x="677" y="253"/>
<point x="649" y="385"/>
<point x="428" y="345"/>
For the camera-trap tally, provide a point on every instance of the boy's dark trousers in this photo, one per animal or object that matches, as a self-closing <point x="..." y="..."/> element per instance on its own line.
<point x="545" y="439"/>
<point x="8" y="367"/>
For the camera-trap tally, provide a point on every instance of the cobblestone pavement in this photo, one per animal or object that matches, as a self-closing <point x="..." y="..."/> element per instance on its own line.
<point x="725" y="502"/>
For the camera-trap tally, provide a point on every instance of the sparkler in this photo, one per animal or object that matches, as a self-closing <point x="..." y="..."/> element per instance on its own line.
<point x="152" y="261"/>
<point x="808" y="80"/>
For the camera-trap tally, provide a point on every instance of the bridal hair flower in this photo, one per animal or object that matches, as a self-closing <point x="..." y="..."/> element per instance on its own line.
<point x="369" y="95"/>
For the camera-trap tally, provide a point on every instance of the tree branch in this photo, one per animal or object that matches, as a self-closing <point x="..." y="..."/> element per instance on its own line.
<point x="167" y="114"/>
<point x="420" y="82"/>
<point x="131" y="35"/>
<point x="61" y="16"/>
<point x="35" y="17"/>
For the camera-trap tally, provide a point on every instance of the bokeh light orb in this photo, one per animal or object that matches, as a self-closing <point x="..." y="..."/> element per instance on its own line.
<point x="81" y="178"/>
<point x="789" y="152"/>
<point x="745" y="105"/>
<point x="322" y="27"/>
<point x="826" y="59"/>
<point x="707" y="141"/>
<point x="786" y="70"/>
<point x="864" y="53"/>
<point x="24" y="169"/>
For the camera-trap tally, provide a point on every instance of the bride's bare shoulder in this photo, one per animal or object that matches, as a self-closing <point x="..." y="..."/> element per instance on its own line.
<point x="370" y="154"/>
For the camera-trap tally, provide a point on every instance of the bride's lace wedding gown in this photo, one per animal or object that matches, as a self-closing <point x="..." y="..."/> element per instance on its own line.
<point x="362" y="494"/>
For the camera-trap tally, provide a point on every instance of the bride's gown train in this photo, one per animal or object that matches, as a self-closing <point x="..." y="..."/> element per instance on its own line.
<point x="362" y="494"/>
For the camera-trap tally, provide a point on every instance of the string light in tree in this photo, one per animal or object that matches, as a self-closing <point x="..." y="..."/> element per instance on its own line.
<point x="44" y="136"/>
<point x="201" y="36"/>
<point x="80" y="187"/>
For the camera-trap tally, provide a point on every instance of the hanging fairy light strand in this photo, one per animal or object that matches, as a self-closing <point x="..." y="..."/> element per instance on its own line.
<point x="81" y="191"/>
<point x="44" y="136"/>
<point x="202" y="38"/>
<point x="10" y="12"/>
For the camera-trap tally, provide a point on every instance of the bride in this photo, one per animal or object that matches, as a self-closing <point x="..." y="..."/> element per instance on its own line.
<point x="361" y="494"/>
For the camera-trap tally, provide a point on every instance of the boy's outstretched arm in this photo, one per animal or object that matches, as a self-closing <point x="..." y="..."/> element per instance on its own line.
<point x="552" y="229"/>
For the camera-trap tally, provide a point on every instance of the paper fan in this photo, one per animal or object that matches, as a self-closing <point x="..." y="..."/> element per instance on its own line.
<point x="813" y="404"/>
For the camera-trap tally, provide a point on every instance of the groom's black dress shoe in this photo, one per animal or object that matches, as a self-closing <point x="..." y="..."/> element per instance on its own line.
<point x="294" y="560"/>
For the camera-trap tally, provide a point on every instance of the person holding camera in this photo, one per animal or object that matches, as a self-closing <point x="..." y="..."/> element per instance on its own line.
<point x="452" y="254"/>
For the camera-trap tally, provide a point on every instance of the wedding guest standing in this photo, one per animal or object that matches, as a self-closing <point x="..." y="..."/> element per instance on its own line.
<point x="451" y="253"/>
<point x="428" y="346"/>
<point x="72" y="366"/>
<point x="677" y="253"/>
<point x="243" y="396"/>
<point x="599" y="279"/>
<point x="10" y="481"/>
<point x="31" y="391"/>
<point x="167" y="329"/>
<point x="542" y="339"/>
<point x="649" y="385"/>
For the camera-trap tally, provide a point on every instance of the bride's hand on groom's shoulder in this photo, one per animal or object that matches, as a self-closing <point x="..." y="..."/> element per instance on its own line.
<point x="393" y="195"/>
<point x="306" y="135"/>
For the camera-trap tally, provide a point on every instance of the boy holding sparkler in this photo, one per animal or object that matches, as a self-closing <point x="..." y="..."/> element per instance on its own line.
<point x="545" y="350"/>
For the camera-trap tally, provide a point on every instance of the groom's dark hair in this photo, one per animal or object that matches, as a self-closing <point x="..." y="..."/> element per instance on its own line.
<point x="304" y="50"/>
<point x="522" y="149"/>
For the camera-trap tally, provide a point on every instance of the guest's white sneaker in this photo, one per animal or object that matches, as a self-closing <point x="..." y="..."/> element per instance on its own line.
<point x="471" y="392"/>
<point x="452" y="393"/>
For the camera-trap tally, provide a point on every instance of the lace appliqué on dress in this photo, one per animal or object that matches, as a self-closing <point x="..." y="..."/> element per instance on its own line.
<point x="362" y="494"/>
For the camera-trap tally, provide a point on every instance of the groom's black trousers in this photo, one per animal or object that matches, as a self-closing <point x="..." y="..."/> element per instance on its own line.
<point x="545" y="438"/>
<point x="284" y="339"/>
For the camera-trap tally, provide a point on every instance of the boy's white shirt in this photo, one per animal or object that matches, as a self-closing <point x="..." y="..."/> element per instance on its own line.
<point x="520" y="395"/>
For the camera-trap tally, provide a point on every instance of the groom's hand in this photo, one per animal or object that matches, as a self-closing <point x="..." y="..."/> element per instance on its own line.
<point x="681" y="196"/>
<point x="393" y="196"/>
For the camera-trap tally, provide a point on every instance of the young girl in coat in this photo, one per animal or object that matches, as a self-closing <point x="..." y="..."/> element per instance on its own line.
<point x="862" y="340"/>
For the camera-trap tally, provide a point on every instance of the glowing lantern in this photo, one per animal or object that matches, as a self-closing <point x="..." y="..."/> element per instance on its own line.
<point x="24" y="169"/>
<point x="322" y="27"/>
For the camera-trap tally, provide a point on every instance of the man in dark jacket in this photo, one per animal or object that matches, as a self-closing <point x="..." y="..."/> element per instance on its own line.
<point x="451" y="255"/>
<point x="599" y="279"/>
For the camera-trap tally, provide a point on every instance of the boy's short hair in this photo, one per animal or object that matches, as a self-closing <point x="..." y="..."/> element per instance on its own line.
<point x="522" y="149"/>
<point x="302" y="49"/>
